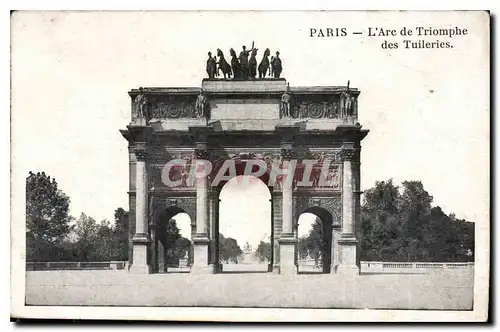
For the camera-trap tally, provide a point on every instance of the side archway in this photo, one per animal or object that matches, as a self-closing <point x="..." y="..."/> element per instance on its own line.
<point x="315" y="241"/>
<point x="173" y="248"/>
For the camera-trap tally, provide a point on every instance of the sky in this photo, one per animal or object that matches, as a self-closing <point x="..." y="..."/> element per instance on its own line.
<point x="427" y="110"/>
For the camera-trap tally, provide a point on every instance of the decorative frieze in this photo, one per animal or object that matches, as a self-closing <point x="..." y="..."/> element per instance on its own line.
<point x="337" y="106"/>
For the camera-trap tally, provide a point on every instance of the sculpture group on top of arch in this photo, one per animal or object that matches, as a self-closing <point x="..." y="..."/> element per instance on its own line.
<point x="242" y="67"/>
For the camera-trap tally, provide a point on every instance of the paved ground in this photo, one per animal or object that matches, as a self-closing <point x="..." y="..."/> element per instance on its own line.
<point x="450" y="290"/>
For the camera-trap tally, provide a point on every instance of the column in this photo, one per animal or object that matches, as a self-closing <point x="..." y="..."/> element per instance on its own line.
<point x="201" y="241"/>
<point x="347" y="241"/>
<point x="277" y="211"/>
<point x="140" y="241"/>
<point x="287" y="240"/>
<point x="161" y="257"/>
<point x="212" y="229"/>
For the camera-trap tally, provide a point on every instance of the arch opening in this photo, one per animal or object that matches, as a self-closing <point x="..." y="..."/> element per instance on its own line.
<point x="244" y="226"/>
<point x="314" y="246"/>
<point x="173" y="246"/>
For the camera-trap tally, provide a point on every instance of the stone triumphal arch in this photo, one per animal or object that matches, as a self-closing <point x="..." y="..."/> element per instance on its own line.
<point x="291" y="137"/>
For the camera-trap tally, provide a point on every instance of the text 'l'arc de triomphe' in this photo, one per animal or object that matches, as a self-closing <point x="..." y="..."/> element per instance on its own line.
<point x="242" y="120"/>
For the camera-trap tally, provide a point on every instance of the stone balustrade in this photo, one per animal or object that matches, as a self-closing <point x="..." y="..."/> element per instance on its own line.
<point x="113" y="265"/>
<point x="411" y="267"/>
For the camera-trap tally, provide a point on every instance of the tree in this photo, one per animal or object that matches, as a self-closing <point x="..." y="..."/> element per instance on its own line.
<point x="173" y="235"/>
<point x="264" y="252"/>
<point x="106" y="248"/>
<point x="229" y="250"/>
<point x="86" y="237"/>
<point x="121" y="235"/>
<point x="47" y="218"/>
<point x="315" y="242"/>
<point x="302" y="247"/>
<point x="402" y="225"/>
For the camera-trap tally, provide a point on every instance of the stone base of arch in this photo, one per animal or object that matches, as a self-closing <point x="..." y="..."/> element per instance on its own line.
<point x="140" y="244"/>
<point x="201" y="263"/>
<point x="347" y="247"/>
<point x="287" y="247"/>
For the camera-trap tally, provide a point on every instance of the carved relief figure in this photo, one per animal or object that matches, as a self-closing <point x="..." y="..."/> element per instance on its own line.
<point x="141" y="104"/>
<point x="211" y="66"/>
<point x="223" y="65"/>
<point x="264" y="64"/>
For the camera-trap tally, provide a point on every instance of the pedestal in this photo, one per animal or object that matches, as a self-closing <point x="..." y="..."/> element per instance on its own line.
<point x="347" y="247"/>
<point x="287" y="255"/>
<point x="200" y="262"/>
<point x="140" y="252"/>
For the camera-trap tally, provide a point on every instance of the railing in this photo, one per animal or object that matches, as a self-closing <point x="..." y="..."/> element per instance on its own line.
<point x="365" y="266"/>
<point x="39" y="266"/>
<point x="411" y="267"/>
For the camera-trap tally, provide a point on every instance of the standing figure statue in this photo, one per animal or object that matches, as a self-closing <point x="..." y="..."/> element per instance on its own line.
<point x="211" y="66"/>
<point x="215" y="65"/>
<point x="244" y="60"/>
<point x="201" y="105"/>
<point x="235" y="65"/>
<point x="223" y="65"/>
<point x="252" y="64"/>
<point x="264" y="64"/>
<point x="141" y="104"/>
<point x="285" y="102"/>
<point x="276" y="65"/>
<point x="347" y="103"/>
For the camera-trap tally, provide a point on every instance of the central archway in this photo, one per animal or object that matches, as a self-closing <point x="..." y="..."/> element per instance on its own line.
<point x="244" y="226"/>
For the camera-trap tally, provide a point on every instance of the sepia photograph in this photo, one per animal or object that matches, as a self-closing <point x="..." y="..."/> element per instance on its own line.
<point x="250" y="165"/>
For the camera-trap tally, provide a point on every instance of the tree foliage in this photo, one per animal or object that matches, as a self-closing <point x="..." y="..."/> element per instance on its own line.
<point x="47" y="218"/>
<point x="177" y="245"/>
<point x="400" y="224"/>
<point x="121" y="235"/>
<point x="229" y="250"/>
<point x="264" y="252"/>
<point x="315" y="244"/>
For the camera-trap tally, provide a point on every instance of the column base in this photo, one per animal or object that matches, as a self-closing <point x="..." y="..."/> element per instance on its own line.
<point x="140" y="265"/>
<point x="209" y="269"/>
<point x="347" y="270"/>
<point x="140" y="269"/>
<point x="287" y="255"/>
<point x="348" y="247"/>
<point x="200" y="261"/>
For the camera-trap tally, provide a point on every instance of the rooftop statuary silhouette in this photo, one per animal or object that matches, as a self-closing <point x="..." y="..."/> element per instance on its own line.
<point x="244" y="66"/>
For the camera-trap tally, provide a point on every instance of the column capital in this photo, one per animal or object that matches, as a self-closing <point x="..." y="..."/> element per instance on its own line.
<point x="201" y="153"/>
<point x="140" y="150"/>
<point x="287" y="152"/>
<point x="349" y="154"/>
<point x="141" y="155"/>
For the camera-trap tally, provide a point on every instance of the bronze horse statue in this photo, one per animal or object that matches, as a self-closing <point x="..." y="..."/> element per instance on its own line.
<point x="252" y="64"/>
<point x="235" y="64"/>
<point x="223" y="65"/>
<point x="264" y="64"/>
